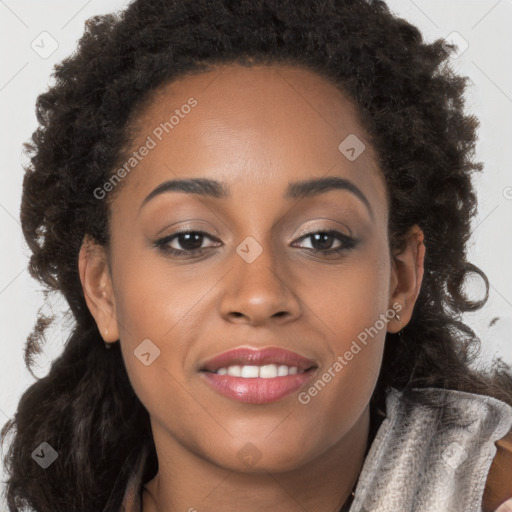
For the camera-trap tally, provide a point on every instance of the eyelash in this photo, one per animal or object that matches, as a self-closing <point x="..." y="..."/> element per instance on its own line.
<point x="349" y="243"/>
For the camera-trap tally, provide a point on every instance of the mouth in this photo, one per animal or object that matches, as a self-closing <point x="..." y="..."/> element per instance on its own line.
<point x="258" y="376"/>
<point x="267" y="371"/>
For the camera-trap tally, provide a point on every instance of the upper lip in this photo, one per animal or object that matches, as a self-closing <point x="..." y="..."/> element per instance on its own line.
<point x="258" y="357"/>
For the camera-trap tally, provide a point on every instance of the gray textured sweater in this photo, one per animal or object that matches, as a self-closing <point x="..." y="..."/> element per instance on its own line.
<point x="432" y="457"/>
<point x="432" y="453"/>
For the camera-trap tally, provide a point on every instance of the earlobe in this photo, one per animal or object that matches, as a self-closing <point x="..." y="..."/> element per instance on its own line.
<point x="407" y="274"/>
<point x="97" y="287"/>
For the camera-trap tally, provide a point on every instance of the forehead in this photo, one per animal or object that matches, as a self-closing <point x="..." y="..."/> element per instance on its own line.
<point x="259" y="127"/>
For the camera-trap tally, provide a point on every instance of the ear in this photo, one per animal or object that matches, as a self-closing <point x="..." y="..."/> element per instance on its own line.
<point x="406" y="277"/>
<point x="97" y="286"/>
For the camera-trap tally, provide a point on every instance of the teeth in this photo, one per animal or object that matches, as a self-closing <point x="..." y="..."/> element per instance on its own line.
<point x="268" y="371"/>
<point x="282" y="370"/>
<point x="235" y="371"/>
<point x="250" y="372"/>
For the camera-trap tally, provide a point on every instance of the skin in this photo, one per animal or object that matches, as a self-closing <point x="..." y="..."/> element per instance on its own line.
<point x="255" y="129"/>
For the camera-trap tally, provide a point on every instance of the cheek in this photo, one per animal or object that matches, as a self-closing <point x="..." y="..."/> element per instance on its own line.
<point x="151" y="297"/>
<point x="349" y="299"/>
<point x="159" y="313"/>
<point x="352" y="312"/>
<point x="152" y="316"/>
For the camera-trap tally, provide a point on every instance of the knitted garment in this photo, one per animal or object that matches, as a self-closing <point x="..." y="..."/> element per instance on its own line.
<point x="432" y="453"/>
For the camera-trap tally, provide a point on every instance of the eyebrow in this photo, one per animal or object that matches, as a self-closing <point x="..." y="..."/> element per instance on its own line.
<point x="295" y="190"/>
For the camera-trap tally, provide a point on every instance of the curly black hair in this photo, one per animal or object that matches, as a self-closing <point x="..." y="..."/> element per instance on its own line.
<point x="409" y="101"/>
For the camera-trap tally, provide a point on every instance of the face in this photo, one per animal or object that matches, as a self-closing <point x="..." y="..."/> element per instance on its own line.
<point x="262" y="261"/>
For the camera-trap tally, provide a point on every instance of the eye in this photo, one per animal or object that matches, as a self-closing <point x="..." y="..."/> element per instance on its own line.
<point x="186" y="243"/>
<point x="322" y="242"/>
<point x="190" y="241"/>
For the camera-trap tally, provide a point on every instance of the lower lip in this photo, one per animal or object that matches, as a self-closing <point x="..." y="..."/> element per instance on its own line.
<point x="257" y="390"/>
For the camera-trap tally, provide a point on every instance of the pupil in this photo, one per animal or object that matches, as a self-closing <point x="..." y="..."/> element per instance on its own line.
<point x="189" y="241"/>
<point x="323" y="238"/>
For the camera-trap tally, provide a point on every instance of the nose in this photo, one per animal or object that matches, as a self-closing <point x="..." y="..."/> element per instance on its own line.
<point x="259" y="292"/>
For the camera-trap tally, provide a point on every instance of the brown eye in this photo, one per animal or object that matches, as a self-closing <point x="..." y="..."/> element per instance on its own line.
<point x="185" y="243"/>
<point x="322" y="242"/>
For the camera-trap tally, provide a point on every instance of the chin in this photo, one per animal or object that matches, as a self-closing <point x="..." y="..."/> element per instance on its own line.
<point x="253" y="457"/>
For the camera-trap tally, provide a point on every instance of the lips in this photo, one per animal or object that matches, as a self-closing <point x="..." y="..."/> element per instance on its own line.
<point x="243" y="356"/>
<point x="261" y="389"/>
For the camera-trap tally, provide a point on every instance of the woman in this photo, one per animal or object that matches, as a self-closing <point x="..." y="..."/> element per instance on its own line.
<point x="261" y="210"/>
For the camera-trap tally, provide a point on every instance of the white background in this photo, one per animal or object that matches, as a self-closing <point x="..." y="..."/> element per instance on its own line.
<point x="24" y="74"/>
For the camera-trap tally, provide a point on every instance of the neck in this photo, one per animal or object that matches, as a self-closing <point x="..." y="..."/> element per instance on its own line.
<point x="195" y="484"/>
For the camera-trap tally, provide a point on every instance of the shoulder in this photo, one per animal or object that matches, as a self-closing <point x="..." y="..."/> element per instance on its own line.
<point x="466" y="429"/>
<point x="485" y="421"/>
<point x="498" y="487"/>
<point x="462" y="413"/>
